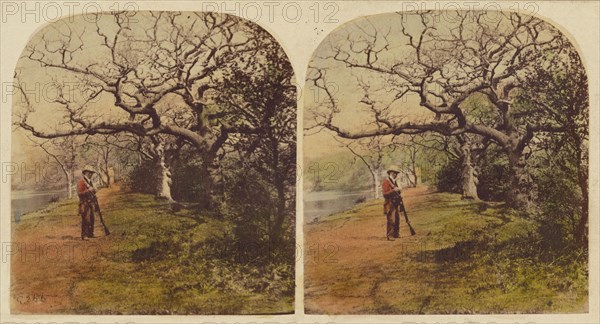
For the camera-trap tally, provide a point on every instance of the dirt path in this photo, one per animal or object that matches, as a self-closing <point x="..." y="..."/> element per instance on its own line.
<point x="49" y="258"/>
<point x="351" y="268"/>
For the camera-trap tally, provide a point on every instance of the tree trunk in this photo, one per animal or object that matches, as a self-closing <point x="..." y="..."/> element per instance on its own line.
<point x="518" y="194"/>
<point x="107" y="171"/>
<point x="277" y="229"/>
<point x="413" y="167"/>
<point x="105" y="177"/>
<point x="109" y="180"/>
<point x="582" y="177"/>
<point x="415" y="179"/>
<point x="164" y="182"/>
<point x="582" y="227"/>
<point x="69" y="186"/>
<point x="376" y="185"/>
<point x="72" y="179"/>
<point x="468" y="174"/>
<point x="279" y="182"/>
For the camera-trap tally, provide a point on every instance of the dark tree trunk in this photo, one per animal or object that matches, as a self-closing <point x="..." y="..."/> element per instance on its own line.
<point x="518" y="194"/>
<point x="413" y="166"/>
<point x="415" y="179"/>
<point x="582" y="177"/>
<point x="582" y="227"/>
<point x="277" y="229"/>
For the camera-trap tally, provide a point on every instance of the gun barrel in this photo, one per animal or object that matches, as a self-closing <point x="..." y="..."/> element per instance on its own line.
<point x="97" y="206"/>
<point x="412" y="230"/>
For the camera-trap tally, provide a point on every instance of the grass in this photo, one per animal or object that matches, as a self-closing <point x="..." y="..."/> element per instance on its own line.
<point x="469" y="258"/>
<point x="163" y="262"/>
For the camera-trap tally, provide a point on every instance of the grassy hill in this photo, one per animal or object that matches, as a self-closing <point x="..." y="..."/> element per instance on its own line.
<point x="467" y="257"/>
<point x="157" y="260"/>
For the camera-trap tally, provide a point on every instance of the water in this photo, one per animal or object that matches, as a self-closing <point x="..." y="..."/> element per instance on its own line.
<point x="318" y="204"/>
<point x="26" y="201"/>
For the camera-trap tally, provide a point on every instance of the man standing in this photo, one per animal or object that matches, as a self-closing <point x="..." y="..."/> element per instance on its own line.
<point x="391" y="193"/>
<point x="86" y="192"/>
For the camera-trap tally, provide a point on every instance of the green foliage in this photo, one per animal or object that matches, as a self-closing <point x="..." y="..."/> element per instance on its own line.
<point x="559" y="206"/>
<point x="557" y="92"/>
<point x="192" y="183"/>
<point x="142" y="177"/>
<point x="258" y="166"/>
<point x="448" y="177"/>
<point x="252" y="206"/>
<point x="249" y="204"/>
<point x="493" y="176"/>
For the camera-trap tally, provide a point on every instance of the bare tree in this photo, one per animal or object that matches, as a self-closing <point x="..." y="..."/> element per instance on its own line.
<point x="443" y="65"/>
<point x="372" y="153"/>
<point x="410" y="154"/>
<point x="103" y="153"/>
<point x="146" y="74"/>
<point x="63" y="152"/>
<point x="160" y="150"/>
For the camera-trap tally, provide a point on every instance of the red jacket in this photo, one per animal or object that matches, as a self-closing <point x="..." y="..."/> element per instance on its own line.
<point x="83" y="190"/>
<point x="388" y="188"/>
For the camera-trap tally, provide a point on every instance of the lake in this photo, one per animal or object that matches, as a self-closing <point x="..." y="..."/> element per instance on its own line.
<point x="27" y="201"/>
<point x="319" y="204"/>
<point x="316" y="204"/>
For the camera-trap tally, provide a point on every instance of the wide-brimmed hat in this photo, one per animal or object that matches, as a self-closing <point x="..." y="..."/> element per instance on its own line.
<point x="88" y="168"/>
<point x="393" y="168"/>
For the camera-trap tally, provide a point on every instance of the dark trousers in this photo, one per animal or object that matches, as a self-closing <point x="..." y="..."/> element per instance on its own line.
<point x="87" y="211"/>
<point x="392" y="209"/>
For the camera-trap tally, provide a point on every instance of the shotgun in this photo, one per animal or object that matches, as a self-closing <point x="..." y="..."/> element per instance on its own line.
<point x="97" y="207"/>
<point x="401" y="204"/>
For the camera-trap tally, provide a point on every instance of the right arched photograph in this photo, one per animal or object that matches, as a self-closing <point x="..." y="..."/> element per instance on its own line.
<point x="446" y="167"/>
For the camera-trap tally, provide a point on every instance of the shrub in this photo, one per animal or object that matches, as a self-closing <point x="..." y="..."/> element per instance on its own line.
<point x="493" y="177"/>
<point x="448" y="177"/>
<point x="142" y="179"/>
<point x="192" y="183"/>
<point x="559" y="208"/>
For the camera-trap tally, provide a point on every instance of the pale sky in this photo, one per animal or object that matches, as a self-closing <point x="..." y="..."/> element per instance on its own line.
<point x="354" y="115"/>
<point x="41" y="83"/>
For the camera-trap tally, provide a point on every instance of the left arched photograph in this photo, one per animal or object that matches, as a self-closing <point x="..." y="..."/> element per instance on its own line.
<point x="154" y="167"/>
